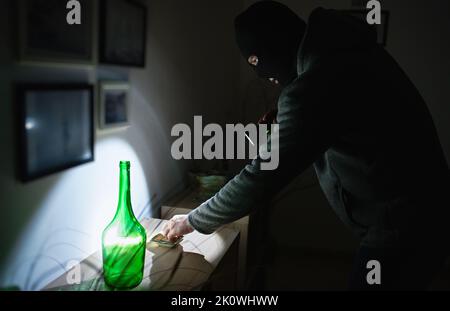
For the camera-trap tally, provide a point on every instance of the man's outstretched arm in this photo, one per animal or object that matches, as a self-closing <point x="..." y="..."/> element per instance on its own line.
<point x="309" y="122"/>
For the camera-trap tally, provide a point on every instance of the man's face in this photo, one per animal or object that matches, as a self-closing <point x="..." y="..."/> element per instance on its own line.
<point x="254" y="60"/>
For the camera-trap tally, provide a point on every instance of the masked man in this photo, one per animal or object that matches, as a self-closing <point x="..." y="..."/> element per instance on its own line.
<point x="348" y="109"/>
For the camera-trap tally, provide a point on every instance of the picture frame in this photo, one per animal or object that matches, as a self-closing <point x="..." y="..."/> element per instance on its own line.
<point x="55" y="126"/>
<point x="114" y="101"/>
<point x="382" y="30"/>
<point x="46" y="37"/>
<point x="123" y="43"/>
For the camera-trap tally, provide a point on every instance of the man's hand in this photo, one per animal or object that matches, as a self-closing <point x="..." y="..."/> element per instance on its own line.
<point x="176" y="227"/>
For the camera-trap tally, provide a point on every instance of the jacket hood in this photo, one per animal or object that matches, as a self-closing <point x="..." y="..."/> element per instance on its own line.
<point x="331" y="31"/>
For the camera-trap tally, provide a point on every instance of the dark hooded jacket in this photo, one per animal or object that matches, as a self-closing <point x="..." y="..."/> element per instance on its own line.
<point x="355" y="115"/>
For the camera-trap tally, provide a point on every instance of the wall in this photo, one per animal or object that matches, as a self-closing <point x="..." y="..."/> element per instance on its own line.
<point x="418" y="40"/>
<point x="192" y="68"/>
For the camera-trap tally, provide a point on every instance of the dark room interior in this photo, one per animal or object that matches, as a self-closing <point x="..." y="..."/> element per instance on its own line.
<point x="94" y="92"/>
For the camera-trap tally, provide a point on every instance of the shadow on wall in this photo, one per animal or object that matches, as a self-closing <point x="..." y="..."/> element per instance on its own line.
<point x="150" y="137"/>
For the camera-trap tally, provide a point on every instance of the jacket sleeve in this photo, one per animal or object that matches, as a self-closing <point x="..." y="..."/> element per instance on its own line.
<point x="309" y="121"/>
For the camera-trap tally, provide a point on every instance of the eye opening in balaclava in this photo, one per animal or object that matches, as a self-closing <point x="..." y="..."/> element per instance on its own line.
<point x="272" y="32"/>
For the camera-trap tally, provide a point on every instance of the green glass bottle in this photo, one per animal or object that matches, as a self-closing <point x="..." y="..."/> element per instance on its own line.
<point x="124" y="241"/>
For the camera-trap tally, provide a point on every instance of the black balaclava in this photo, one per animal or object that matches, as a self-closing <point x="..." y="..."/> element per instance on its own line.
<point x="271" y="31"/>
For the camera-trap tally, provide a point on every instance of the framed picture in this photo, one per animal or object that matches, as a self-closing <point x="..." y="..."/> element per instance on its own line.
<point x="114" y="105"/>
<point x="382" y="29"/>
<point x="45" y="35"/>
<point x="55" y="128"/>
<point x="123" y="33"/>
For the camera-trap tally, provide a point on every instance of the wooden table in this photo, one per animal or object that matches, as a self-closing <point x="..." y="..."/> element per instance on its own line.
<point x="199" y="262"/>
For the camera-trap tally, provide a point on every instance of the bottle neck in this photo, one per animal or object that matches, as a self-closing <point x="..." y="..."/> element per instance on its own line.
<point x="124" y="209"/>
